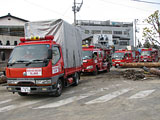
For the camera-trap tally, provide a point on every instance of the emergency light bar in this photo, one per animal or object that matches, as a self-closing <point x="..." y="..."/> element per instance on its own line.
<point x="36" y="38"/>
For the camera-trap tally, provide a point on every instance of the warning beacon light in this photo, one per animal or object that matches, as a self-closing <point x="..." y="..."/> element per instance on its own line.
<point x="36" y="38"/>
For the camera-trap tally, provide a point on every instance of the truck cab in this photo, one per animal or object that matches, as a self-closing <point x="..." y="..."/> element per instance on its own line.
<point x="36" y="65"/>
<point x="94" y="60"/>
<point x="122" y="56"/>
<point x="149" y="55"/>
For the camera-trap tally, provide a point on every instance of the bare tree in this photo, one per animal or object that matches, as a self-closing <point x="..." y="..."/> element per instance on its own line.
<point x="152" y="33"/>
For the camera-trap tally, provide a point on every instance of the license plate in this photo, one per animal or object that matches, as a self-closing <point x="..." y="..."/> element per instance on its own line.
<point x="84" y="61"/>
<point x="26" y="89"/>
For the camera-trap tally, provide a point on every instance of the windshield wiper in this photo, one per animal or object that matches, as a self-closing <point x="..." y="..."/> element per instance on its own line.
<point x="36" y="60"/>
<point x="18" y="61"/>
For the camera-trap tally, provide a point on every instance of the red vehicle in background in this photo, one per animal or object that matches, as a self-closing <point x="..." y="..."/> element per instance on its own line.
<point x="149" y="55"/>
<point x="94" y="60"/>
<point x="124" y="56"/>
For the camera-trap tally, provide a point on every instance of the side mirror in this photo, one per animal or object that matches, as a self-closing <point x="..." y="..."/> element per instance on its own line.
<point x="92" y="55"/>
<point x="49" y="54"/>
<point x="3" y="57"/>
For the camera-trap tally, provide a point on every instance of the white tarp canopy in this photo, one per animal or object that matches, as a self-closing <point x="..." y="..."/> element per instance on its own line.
<point x="65" y="34"/>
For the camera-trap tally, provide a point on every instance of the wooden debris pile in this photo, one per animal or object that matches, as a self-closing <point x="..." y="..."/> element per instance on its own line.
<point x="133" y="74"/>
<point x="3" y="79"/>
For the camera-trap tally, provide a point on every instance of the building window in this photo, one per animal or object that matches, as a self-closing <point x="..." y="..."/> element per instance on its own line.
<point x="4" y="31"/>
<point x="15" y="42"/>
<point x="17" y="32"/>
<point x="0" y="42"/>
<point x="86" y="31"/>
<point x="12" y="31"/>
<point x="96" y="32"/>
<point x="126" y="33"/>
<point x="107" y="32"/>
<point x="7" y="43"/>
<point x="123" y="43"/>
<point x="115" y="42"/>
<point x="117" y="32"/>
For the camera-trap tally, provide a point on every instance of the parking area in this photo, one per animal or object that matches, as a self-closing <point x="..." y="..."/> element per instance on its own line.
<point x="107" y="96"/>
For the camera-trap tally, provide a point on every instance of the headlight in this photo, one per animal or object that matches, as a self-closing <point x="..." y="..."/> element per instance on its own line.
<point x="12" y="81"/>
<point x="89" y="67"/>
<point x="43" y="81"/>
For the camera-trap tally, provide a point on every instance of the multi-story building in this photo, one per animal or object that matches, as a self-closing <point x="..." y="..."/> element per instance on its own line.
<point x="11" y="29"/>
<point x="122" y="32"/>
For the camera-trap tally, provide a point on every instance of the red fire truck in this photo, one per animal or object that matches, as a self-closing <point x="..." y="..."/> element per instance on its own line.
<point x="149" y="55"/>
<point x="43" y="64"/>
<point x="95" y="59"/>
<point x="124" y="56"/>
<point x="36" y="65"/>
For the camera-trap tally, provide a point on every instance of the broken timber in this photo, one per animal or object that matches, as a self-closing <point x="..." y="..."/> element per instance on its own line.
<point x="141" y="64"/>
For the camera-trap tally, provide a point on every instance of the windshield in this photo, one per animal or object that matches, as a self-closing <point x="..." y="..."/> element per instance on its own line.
<point x="87" y="54"/>
<point x="28" y="53"/>
<point x="145" y="53"/>
<point x="118" y="55"/>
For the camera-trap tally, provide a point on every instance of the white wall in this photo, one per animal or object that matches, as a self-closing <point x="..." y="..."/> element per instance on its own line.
<point x="5" y="38"/>
<point x="12" y="22"/>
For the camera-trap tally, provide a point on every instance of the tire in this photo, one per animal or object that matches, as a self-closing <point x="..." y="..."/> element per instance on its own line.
<point x="95" y="72"/>
<point x="22" y="94"/>
<point x="59" y="88"/>
<point x="76" y="79"/>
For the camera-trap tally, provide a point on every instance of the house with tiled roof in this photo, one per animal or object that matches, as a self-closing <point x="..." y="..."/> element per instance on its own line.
<point x="11" y="29"/>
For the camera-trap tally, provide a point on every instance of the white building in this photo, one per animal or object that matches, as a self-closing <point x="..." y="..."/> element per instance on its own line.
<point x="11" y="29"/>
<point x="122" y="32"/>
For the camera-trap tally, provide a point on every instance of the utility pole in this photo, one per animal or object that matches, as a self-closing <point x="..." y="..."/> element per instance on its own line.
<point x="76" y="8"/>
<point x="135" y="22"/>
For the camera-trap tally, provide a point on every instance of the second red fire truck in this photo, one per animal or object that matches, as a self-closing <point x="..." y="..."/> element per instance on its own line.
<point x="149" y="55"/>
<point x="124" y="56"/>
<point x="95" y="59"/>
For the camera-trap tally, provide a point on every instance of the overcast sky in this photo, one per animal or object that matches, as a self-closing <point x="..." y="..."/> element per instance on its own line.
<point x="115" y="10"/>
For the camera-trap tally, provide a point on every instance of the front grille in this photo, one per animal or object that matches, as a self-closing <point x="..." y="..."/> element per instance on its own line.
<point x="26" y="84"/>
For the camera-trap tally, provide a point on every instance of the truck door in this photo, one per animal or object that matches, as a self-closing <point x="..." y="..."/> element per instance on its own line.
<point x="130" y="57"/>
<point x="100" y="59"/>
<point x="56" y="63"/>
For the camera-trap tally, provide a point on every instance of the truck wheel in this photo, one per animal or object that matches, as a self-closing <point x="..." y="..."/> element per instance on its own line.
<point x="22" y="94"/>
<point x="58" y="88"/>
<point x="76" y="79"/>
<point x="95" y="72"/>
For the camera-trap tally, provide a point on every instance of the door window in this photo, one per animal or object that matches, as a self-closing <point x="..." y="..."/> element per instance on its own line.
<point x="55" y="55"/>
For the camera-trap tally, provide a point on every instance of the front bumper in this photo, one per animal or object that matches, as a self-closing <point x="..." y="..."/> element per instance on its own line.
<point x="117" y="64"/>
<point x="33" y="89"/>
<point x="31" y="85"/>
<point x="145" y="60"/>
<point x="88" y="70"/>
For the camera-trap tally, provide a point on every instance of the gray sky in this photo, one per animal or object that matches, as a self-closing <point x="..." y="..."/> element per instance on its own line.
<point x="115" y="10"/>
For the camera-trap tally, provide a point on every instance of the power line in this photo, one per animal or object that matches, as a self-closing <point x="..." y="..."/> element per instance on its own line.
<point x="128" y="6"/>
<point x="46" y="8"/>
<point x="147" y="2"/>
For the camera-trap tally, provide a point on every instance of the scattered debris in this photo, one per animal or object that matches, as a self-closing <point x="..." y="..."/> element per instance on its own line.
<point x="155" y="71"/>
<point x="133" y="74"/>
<point x="3" y="79"/>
